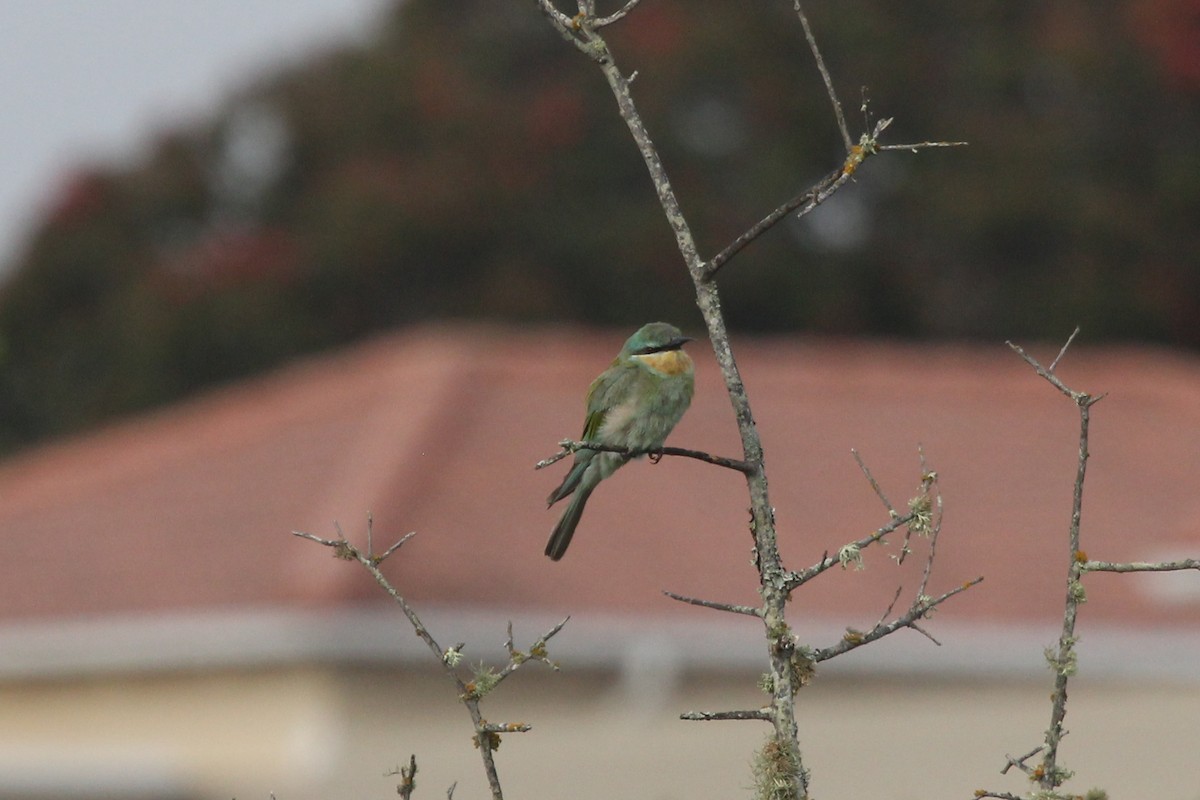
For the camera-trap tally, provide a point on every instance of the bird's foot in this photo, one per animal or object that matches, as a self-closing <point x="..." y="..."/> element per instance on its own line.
<point x="655" y="456"/>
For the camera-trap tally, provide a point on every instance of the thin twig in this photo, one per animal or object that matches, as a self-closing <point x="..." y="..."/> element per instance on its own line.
<point x="570" y="446"/>
<point x="855" y="639"/>
<point x="796" y="579"/>
<point x="806" y="201"/>
<point x="536" y="652"/>
<point x="750" y="611"/>
<point x="600" y="22"/>
<point x="400" y="542"/>
<point x="934" y="530"/>
<point x="761" y="714"/>
<point x="888" y="612"/>
<point x="833" y="98"/>
<point x="507" y="727"/>
<point x="568" y="30"/>
<point x="1078" y="398"/>
<point x="914" y="626"/>
<point x="915" y="146"/>
<point x="485" y="733"/>
<point x="1063" y="351"/>
<point x="1019" y="762"/>
<point x="874" y="484"/>
<point x="1140" y="566"/>
<point x="809" y="199"/>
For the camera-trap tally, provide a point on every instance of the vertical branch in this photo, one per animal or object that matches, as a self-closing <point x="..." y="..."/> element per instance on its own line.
<point x="781" y="643"/>
<point x="1064" y="658"/>
<point x="1050" y="775"/>
<point x="788" y="776"/>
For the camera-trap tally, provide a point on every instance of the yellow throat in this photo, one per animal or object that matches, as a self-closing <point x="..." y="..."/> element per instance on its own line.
<point x="668" y="362"/>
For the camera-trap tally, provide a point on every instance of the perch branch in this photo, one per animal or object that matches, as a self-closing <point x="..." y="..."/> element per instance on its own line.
<point x="570" y="446"/>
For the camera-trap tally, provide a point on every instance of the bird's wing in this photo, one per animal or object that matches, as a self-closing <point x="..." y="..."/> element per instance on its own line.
<point x="604" y="393"/>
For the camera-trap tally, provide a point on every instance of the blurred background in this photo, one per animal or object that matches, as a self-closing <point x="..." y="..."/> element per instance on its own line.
<point x="365" y="165"/>
<point x="271" y="263"/>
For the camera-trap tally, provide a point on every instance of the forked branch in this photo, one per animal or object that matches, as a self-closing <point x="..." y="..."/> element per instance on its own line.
<point x="470" y="691"/>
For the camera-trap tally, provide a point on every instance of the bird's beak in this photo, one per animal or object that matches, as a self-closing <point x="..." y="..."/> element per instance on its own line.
<point x="680" y="341"/>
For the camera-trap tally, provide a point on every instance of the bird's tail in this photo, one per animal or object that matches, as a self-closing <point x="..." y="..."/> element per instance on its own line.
<point x="565" y="529"/>
<point x="571" y="480"/>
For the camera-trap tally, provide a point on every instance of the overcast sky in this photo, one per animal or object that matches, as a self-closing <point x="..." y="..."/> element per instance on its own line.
<point x="87" y="80"/>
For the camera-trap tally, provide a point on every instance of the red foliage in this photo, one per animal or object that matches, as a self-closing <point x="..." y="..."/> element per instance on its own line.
<point x="82" y="195"/>
<point x="228" y="257"/>
<point x="556" y="116"/>
<point x="659" y="31"/>
<point x="1170" y="29"/>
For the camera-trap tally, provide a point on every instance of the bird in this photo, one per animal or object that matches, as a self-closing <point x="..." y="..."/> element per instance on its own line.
<point x="634" y="404"/>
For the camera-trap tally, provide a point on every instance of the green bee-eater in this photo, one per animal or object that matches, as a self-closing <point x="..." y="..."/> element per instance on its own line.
<point x="634" y="404"/>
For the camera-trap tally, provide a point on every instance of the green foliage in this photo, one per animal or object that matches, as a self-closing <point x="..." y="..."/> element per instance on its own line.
<point x="467" y="163"/>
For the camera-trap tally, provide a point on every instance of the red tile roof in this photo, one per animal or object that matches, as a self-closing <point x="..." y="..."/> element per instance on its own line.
<point x="436" y="429"/>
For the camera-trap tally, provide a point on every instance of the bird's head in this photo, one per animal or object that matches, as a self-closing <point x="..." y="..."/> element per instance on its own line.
<point x="654" y="337"/>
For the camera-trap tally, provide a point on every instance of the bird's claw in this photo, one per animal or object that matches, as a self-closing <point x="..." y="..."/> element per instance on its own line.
<point x="655" y="456"/>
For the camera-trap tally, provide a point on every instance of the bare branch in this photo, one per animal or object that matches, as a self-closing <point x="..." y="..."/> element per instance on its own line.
<point x="1140" y="566"/>
<point x="569" y="446"/>
<point x="1062" y="658"/>
<point x="920" y="609"/>
<point x="1019" y="762"/>
<point x="507" y="727"/>
<point x="914" y="626"/>
<point x="805" y="201"/>
<point x="750" y="611"/>
<point x="569" y="28"/>
<point x="808" y="200"/>
<point x="761" y="714"/>
<point x="775" y="582"/>
<point x="934" y="530"/>
<point x="379" y="559"/>
<point x="874" y="484"/>
<point x="796" y="579"/>
<point x="556" y="17"/>
<point x="914" y="147"/>
<point x="600" y="22"/>
<point x="536" y="652"/>
<point x="888" y="611"/>
<point x="1079" y="398"/>
<point x="816" y="51"/>
<point x="486" y="734"/>
<point x="1063" y="351"/>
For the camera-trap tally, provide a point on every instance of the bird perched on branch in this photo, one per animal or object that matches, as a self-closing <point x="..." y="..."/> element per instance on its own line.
<point x="633" y="404"/>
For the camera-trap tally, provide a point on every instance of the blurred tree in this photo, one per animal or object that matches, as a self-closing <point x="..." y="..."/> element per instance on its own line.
<point x="461" y="165"/>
